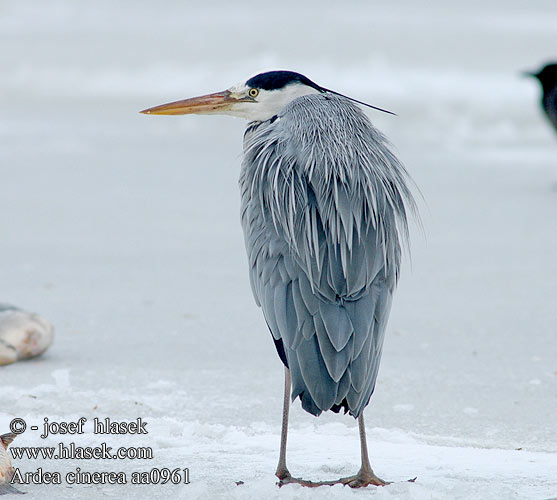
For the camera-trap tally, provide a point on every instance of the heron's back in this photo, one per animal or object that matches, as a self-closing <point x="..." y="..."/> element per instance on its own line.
<point x="323" y="213"/>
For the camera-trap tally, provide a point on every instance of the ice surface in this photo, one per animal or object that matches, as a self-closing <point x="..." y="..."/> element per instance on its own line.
<point x="123" y="230"/>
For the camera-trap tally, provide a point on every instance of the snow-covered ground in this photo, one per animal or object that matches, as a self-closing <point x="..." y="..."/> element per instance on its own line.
<point x="123" y="230"/>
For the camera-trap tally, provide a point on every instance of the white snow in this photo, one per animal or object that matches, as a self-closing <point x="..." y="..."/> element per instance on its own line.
<point x="123" y="231"/>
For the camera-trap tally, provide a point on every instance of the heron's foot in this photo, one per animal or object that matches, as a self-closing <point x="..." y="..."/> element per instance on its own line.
<point x="282" y="473"/>
<point x="288" y="479"/>
<point x="360" y="480"/>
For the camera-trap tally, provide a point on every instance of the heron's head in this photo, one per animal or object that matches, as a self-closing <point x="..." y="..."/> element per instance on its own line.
<point x="258" y="99"/>
<point x="547" y="76"/>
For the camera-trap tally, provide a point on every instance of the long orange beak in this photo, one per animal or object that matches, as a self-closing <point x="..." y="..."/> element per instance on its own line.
<point x="205" y="104"/>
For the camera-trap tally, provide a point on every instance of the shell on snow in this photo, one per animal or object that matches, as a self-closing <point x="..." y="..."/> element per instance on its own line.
<point x="22" y="334"/>
<point x="6" y="469"/>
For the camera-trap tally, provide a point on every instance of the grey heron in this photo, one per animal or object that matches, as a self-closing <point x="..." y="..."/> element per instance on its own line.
<point x="324" y="209"/>
<point x="547" y="77"/>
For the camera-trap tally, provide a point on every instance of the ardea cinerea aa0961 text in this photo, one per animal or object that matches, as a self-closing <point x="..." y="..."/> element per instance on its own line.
<point x="324" y="206"/>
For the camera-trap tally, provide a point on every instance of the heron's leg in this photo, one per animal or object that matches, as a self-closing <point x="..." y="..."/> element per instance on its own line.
<point x="282" y="471"/>
<point x="365" y="475"/>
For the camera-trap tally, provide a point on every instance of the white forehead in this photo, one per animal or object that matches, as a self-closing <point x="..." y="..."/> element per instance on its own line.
<point x="267" y="103"/>
<point x="239" y="88"/>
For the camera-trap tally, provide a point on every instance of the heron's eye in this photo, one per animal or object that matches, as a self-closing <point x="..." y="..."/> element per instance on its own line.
<point x="253" y="92"/>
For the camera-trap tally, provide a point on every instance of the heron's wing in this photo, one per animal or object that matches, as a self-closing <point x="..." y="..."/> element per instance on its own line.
<point x="324" y="252"/>
<point x="333" y="347"/>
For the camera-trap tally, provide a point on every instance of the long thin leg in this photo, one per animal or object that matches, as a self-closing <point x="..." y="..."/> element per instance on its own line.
<point x="363" y="444"/>
<point x="282" y="471"/>
<point x="365" y="475"/>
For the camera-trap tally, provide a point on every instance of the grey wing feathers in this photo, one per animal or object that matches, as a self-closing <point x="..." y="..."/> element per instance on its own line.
<point x="323" y="213"/>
